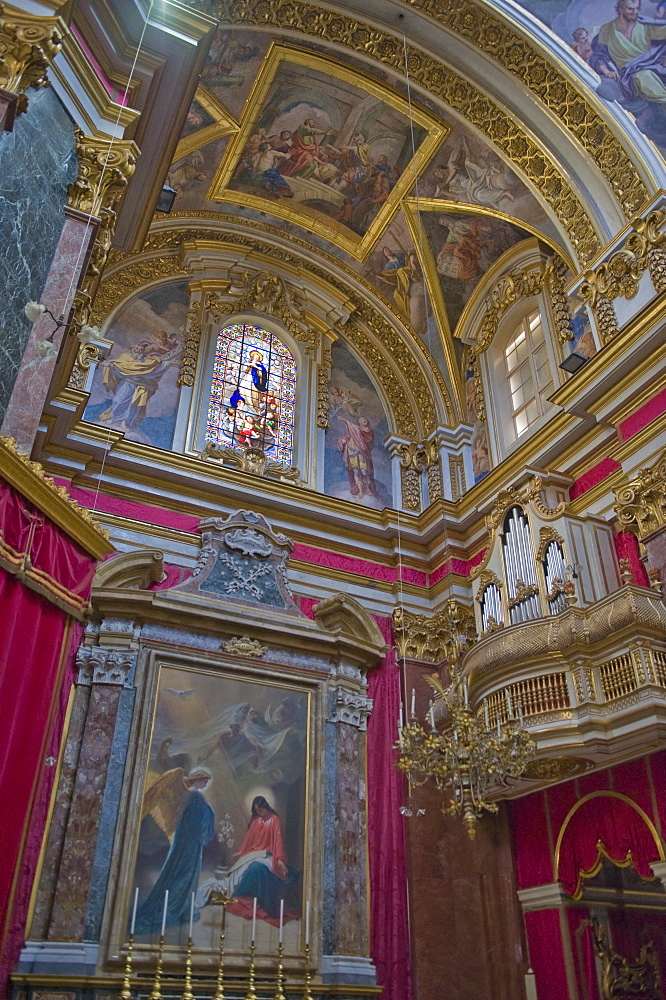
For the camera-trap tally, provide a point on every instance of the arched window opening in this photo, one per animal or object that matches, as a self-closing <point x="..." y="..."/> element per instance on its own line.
<point x="253" y="392"/>
<point x="520" y="568"/>
<point x="491" y="607"/>
<point x="554" y="569"/>
<point x="528" y="371"/>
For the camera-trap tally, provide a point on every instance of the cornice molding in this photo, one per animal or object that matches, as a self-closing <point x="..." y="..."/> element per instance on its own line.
<point x="54" y="501"/>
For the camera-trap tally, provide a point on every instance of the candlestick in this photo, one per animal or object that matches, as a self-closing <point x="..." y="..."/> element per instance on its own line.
<point x="187" y="992"/>
<point x="126" y="992"/>
<point x="254" y="920"/>
<point x="307" y="924"/>
<point x="136" y="901"/>
<point x="281" y="920"/>
<point x="279" y="992"/>
<point x="164" y="911"/>
<point x="251" y="995"/>
<point x="413" y="712"/>
<point x="156" y="993"/>
<point x="223" y="899"/>
<point x="307" y="995"/>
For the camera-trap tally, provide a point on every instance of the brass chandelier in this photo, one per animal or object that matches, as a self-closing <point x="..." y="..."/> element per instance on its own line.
<point x="470" y="757"/>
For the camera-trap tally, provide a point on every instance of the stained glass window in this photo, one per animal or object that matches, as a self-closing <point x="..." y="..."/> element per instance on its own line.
<point x="252" y="392"/>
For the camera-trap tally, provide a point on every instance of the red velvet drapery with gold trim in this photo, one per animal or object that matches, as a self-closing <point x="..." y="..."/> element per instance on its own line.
<point x="45" y="583"/>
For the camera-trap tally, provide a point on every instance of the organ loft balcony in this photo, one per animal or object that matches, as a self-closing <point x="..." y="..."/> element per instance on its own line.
<point x="589" y="683"/>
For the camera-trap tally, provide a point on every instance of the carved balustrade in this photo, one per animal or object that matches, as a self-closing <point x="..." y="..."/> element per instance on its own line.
<point x="587" y="681"/>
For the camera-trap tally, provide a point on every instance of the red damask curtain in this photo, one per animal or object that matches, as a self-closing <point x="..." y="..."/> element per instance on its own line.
<point x="45" y="583"/>
<point x="605" y="824"/>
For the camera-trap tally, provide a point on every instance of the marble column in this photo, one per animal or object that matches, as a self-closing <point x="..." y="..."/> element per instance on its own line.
<point x="108" y="672"/>
<point x="346" y="932"/>
<point x="31" y="388"/>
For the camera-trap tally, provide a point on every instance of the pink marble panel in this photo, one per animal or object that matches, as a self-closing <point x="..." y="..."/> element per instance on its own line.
<point x="30" y="391"/>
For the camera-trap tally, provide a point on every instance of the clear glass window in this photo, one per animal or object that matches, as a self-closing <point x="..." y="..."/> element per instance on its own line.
<point x="528" y="371"/>
<point x="253" y="392"/>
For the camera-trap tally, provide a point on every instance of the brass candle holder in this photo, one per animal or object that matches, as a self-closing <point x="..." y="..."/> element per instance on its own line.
<point x="187" y="992"/>
<point x="126" y="992"/>
<point x="279" y="992"/>
<point x="250" y="995"/>
<point x="221" y="899"/>
<point x="307" y="995"/>
<point x="156" y="993"/>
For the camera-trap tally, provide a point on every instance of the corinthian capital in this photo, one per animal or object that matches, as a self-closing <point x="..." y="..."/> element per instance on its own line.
<point x="104" y="170"/>
<point x="27" y="45"/>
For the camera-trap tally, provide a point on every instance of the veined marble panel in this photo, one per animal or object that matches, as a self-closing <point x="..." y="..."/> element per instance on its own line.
<point x="31" y="217"/>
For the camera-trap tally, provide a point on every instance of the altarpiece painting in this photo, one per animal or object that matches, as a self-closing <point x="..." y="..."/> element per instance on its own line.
<point x="223" y="807"/>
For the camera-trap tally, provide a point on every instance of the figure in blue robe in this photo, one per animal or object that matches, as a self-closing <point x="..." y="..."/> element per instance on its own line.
<point x="182" y="867"/>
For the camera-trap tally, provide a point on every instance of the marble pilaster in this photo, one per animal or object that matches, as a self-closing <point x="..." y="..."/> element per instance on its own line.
<point x="345" y="929"/>
<point x="107" y="671"/>
<point x="33" y="379"/>
<point x="32" y="204"/>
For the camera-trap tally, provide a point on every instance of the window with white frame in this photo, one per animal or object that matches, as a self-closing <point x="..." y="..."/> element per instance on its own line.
<point x="528" y="371"/>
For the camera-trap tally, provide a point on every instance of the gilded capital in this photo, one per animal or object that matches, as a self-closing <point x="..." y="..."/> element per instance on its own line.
<point x="105" y="167"/>
<point x="442" y="636"/>
<point x="27" y="45"/>
<point x="641" y="504"/>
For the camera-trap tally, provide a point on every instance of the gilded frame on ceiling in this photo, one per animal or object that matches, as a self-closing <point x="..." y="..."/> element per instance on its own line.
<point x="358" y="243"/>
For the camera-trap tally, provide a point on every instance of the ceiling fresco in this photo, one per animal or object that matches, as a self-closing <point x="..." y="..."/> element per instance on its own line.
<point x="401" y="191"/>
<point x="326" y="147"/>
<point x="625" y="44"/>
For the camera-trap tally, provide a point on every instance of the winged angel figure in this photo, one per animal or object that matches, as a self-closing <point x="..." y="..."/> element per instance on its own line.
<point x="177" y="804"/>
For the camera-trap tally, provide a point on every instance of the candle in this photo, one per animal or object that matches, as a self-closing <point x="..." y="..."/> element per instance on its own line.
<point x="432" y="715"/>
<point x="413" y="702"/>
<point x="191" y="915"/>
<point x="466" y="693"/>
<point x="499" y="729"/>
<point x="254" y="918"/>
<point x="509" y="707"/>
<point x="400" y="718"/>
<point x="281" y="918"/>
<point x="164" y="911"/>
<point x="136" y="900"/>
<point x="307" y="923"/>
<point x="485" y="714"/>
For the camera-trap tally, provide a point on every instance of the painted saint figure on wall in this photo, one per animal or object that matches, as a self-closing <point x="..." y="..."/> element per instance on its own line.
<point x="135" y="390"/>
<point x="357" y="446"/>
<point x="357" y="467"/>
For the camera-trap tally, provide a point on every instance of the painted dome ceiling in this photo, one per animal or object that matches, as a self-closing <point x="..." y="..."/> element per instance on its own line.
<point x="411" y="149"/>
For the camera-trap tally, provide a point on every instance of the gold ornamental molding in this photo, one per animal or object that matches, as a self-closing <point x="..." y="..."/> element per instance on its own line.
<point x="573" y="628"/>
<point x="244" y="645"/>
<point x="28" y="44"/>
<point x="507" y="290"/>
<point x="641" y="504"/>
<point x="466" y="99"/>
<point x="269" y="294"/>
<point x="511" y="497"/>
<point x="619" y="277"/>
<point x="105" y="167"/>
<point x="518" y="56"/>
<point x="442" y="636"/>
<point x="54" y="501"/>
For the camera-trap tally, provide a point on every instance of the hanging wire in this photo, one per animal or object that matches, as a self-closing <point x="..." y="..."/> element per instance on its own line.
<point x="88" y="222"/>
<point x="419" y="222"/>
